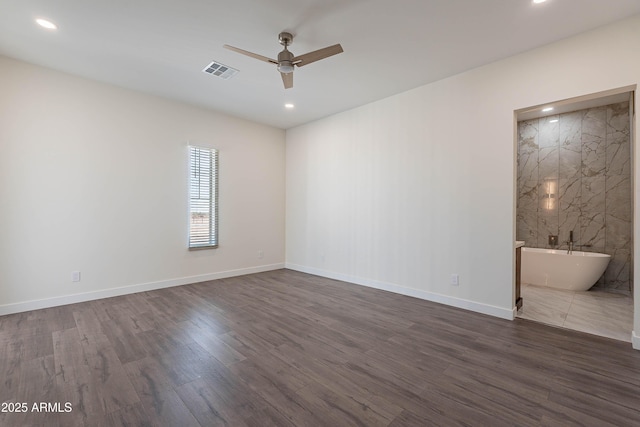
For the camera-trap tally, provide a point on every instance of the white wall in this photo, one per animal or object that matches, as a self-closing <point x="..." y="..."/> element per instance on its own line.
<point x="94" y="178"/>
<point x="403" y="192"/>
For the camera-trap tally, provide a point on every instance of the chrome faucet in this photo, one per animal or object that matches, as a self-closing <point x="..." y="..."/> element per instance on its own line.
<point x="570" y="243"/>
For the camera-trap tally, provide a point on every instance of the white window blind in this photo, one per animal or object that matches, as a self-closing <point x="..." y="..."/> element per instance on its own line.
<point x="203" y="198"/>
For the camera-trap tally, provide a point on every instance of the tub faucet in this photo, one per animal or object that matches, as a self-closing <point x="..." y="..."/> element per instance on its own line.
<point x="570" y="243"/>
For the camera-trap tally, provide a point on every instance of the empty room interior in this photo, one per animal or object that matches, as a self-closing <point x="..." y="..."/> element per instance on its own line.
<point x="310" y="213"/>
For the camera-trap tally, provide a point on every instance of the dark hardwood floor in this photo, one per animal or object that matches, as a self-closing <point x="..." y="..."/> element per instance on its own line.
<point x="284" y="348"/>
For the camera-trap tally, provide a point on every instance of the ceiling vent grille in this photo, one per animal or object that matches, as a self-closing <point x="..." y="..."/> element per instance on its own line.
<point x="220" y="70"/>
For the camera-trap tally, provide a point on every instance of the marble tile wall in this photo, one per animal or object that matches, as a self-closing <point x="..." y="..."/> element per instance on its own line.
<point x="574" y="174"/>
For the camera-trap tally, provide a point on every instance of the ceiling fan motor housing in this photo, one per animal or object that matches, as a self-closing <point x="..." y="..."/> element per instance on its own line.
<point x="285" y="61"/>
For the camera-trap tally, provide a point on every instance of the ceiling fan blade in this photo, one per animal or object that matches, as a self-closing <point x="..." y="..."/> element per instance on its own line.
<point x="287" y="79"/>
<point x="251" y="54"/>
<point x="317" y="55"/>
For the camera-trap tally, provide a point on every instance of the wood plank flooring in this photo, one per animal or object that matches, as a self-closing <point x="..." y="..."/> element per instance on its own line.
<point x="284" y="348"/>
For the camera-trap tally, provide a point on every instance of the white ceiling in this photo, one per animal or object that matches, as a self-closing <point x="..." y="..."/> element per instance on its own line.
<point x="390" y="46"/>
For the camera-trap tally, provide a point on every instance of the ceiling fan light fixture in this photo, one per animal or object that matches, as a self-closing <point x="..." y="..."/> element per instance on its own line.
<point x="285" y="67"/>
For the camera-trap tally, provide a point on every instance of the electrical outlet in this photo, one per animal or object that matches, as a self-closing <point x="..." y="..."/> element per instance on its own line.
<point x="75" y="276"/>
<point x="455" y="280"/>
<point x="260" y="253"/>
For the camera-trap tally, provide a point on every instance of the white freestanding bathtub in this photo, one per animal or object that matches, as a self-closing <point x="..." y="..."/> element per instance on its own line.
<point x="554" y="268"/>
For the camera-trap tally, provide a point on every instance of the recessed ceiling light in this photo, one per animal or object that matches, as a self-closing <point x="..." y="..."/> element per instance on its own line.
<point x="553" y="121"/>
<point x="289" y="106"/>
<point x="539" y="1"/>
<point x="46" y="24"/>
<point x="546" y="110"/>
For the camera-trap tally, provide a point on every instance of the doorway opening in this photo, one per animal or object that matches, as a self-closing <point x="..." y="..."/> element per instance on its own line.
<point x="574" y="193"/>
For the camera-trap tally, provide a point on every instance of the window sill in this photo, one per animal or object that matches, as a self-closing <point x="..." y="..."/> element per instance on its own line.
<point x="199" y="248"/>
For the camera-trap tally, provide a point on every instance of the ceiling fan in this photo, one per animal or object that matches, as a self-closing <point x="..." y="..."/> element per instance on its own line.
<point x="286" y="60"/>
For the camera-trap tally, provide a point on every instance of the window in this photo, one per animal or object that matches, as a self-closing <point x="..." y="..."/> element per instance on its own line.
<point x="203" y="198"/>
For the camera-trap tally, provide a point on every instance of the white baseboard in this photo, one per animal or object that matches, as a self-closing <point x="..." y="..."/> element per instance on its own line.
<point x="491" y="310"/>
<point x="131" y="289"/>
<point x="635" y="340"/>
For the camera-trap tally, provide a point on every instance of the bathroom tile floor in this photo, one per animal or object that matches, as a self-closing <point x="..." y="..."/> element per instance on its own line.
<point x="599" y="313"/>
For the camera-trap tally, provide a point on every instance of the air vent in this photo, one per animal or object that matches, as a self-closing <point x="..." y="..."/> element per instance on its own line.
<point x="223" y="71"/>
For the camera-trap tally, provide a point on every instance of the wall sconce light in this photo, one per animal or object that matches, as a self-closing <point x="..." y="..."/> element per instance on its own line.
<point x="550" y="196"/>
